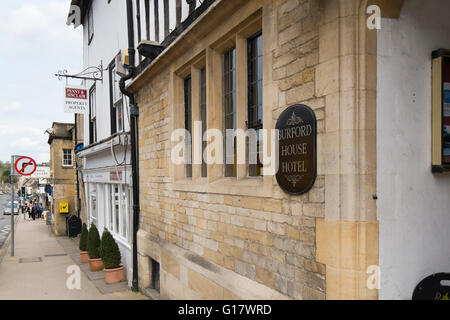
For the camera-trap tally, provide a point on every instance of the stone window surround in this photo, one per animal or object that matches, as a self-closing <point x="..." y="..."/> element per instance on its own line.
<point x="211" y="57"/>
<point x="65" y="158"/>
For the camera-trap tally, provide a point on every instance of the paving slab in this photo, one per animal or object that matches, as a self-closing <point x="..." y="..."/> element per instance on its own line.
<point x="110" y="288"/>
<point x="92" y="275"/>
<point x="43" y="273"/>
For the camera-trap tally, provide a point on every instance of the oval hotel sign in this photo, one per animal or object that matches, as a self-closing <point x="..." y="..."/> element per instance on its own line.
<point x="297" y="166"/>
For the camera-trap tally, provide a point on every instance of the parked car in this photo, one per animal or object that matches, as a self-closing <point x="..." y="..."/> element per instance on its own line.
<point x="7" y="209"/>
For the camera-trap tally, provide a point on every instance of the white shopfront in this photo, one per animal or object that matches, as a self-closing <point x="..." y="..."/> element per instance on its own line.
<point x="108" y="193"/>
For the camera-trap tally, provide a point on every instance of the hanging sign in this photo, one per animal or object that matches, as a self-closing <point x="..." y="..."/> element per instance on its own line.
<point x="76" y="99"/>
<point x="297" y="133"/>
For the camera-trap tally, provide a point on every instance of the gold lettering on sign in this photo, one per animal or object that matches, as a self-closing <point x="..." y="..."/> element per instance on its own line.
<point x="294" y="149"/>
<point x="293" y="167"/>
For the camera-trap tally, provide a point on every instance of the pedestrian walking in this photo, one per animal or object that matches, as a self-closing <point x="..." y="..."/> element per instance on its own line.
<point x="29" y="210"/>
<point x="34" y="211"/>
<point x="40" y="210"/>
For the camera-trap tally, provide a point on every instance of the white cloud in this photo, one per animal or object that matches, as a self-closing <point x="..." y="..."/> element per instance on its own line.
<point x="24" y="140"/>
<point x="13" y="106"/>
<point x="38" y="44"/>
<point x="13" y="130"/>
<point x="27" y="143"/>
<point x="42" y="23"/>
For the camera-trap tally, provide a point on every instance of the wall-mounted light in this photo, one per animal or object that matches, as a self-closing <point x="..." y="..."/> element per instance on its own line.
<point x="149" y="49"/>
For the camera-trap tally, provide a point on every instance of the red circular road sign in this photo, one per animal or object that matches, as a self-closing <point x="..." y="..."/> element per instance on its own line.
<point x="27" y="166"/>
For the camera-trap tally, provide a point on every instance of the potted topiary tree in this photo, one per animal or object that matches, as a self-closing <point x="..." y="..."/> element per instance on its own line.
<point x="84" y="257"/>
<point x="114" y="272"/>
<point x="93" y="246"/>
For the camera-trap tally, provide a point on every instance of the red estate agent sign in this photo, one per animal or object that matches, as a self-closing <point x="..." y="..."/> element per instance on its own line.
<point x="25" y="166"/>
<point x="76" y="99"/>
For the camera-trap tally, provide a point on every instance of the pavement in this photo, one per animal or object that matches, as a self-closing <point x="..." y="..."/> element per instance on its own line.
<point x="42" y="266"/>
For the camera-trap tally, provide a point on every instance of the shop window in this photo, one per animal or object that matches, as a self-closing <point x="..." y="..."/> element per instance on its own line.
<point x="93" y="204"/>
<point x="119" y="217"/>
<point x="116" y="208"/>
<point x="124" y="212"/>
<point x="109" y="207"/>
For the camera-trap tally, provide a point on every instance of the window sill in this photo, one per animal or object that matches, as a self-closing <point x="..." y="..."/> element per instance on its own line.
<point x="249" y="186"/>
<point x="120" y="240"/>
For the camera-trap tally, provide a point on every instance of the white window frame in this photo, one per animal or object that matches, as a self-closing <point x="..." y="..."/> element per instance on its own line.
<point x="93" y="111"/>
<point x="122" y="216"/>
<point x="93" y="193"/>
<point x="108" y="207"/>
<point x="90" y="22"/>
<point x="64" y="158"/>
<point x="118" y="101"/>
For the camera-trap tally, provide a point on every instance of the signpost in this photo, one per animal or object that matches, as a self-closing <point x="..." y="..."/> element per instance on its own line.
<point x="20" y="166"/>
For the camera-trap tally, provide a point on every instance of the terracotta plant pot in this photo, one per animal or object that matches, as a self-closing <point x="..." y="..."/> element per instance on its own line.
<point x="114" y="275"/>
<point x="84" y="257"/>
<point x="96" y="264"/>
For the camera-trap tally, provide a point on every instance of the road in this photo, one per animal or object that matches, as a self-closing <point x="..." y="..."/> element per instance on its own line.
<point x="5" y="221"/>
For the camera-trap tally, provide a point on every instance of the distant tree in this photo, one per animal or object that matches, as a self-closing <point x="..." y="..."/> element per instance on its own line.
<point x="5" y="177"/>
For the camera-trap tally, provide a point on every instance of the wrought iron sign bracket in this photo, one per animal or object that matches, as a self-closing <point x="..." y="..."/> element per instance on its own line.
<point x="90" y="73"/>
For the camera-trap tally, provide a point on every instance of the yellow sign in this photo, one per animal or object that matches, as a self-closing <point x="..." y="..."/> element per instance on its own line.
<point x="63" y="207"/>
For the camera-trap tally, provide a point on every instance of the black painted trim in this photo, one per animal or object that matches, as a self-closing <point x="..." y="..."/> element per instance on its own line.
<point x="91" y="127"/>
<point x="112" y="110"/>
<point x="437" y="169"/>
<point x="440" y="53"/>
<point x="175" y="33"/>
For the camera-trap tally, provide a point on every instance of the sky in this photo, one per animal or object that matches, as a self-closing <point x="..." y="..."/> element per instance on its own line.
<point x="35" y="43"/>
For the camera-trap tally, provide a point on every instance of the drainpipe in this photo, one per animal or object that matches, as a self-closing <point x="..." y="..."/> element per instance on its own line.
<point x="76" y="169"/>
<point x="134" y="113"/>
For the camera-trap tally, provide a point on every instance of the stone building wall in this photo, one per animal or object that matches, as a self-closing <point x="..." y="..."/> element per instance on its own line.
<point x="267" y="241"/>
<point x="64" y="183"/>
